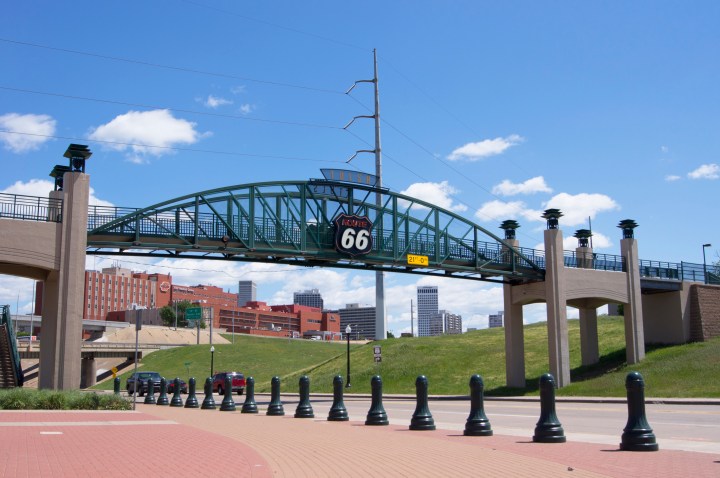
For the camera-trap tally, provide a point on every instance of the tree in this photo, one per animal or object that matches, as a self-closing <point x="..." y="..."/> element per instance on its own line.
<point x="167" y="314"/>
<point x="390" y="335"/>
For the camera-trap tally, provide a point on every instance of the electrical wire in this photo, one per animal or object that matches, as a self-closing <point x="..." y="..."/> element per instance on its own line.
<point x="173" y="148"/>
<point x="170" y="67"/>
<point x="169" y="108"/>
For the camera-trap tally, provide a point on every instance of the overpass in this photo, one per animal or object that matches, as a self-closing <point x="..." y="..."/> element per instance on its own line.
<point x="341" y="221"/>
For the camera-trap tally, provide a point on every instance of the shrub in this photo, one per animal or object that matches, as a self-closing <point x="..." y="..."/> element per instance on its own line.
<point x="31" y="399"/>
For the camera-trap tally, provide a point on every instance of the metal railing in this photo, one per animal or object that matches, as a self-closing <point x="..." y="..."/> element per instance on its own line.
<point x="30" y="208"/>
<point x="17" y="367"/>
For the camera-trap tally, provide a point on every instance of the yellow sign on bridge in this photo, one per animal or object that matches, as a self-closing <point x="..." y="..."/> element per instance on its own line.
<point x="414" y="260"/>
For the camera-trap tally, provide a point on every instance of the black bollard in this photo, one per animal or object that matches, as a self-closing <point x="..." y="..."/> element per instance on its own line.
<point x="116" y="386"/>
<point x="304" y="409"/>
<point x="249" y="406"/>
<point x="150" y="395"/>
<point x="228" y="404"/>
<point x="176" y="398"/>
<point x="275" y="407"/>
<point x="338" y="412"/>
<point x="191" y="401"/>
<point x="208" y="402"/>
<point x="376" y="415"/>
<point x="163" y="398"/>
<point x="422" y="418"/>
<point x="548" y="428"/>
<point x="637" y="435"/>
<point x="477" y="423"/>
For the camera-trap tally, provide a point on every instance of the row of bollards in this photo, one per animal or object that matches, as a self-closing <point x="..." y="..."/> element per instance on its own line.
<point x="637" y="434"/>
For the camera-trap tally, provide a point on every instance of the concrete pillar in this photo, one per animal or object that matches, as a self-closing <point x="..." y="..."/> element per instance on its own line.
<point x="514" y="333"/>
<point x="634" y="333"/>
<point x="514" y="341"/>
<point x="64" y="290"/>
<point x="589" y="336"/>
<point x="558" y="350"/>
<point x="585" y="258"/>
<point x="89" y="372"/>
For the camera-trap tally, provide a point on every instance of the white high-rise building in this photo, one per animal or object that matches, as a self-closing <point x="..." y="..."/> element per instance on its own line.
<point x="427" y="298"/>
<point x="311" y="298"/>
<point x="247" y="292"/>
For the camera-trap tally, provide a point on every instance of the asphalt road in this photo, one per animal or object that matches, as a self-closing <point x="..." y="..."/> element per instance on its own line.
<point x="685" y="427"/>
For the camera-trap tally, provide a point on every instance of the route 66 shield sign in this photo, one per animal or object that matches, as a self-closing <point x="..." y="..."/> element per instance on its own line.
<point x="352" y="234"/>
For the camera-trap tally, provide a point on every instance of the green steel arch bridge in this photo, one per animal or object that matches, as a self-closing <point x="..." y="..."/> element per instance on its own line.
<point x="313" y="223"/>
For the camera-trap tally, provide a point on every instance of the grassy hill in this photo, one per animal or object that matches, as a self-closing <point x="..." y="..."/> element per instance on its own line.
<point x="448" y="362"/>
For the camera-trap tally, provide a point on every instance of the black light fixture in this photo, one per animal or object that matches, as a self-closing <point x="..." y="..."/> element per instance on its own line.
<point x="212" y="359"/>
<point x="552" y="216"/>
<point x="705" y="274"/>
<point x="77" y="154"/>
<point x="509" y="227"/>
<point x="583" y="236"/>
<point x="627" y="226"/>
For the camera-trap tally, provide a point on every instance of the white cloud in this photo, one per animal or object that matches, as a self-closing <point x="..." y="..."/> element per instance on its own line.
<point x="500" y="211"/>
<point x="137" y="130"/>
<point x="247" y="108"/>
<point x="672" y="177"/>
<point x="439" y="194"/>
<point x="576" y="208"/>
<point x="484" y="148"/>
<point x="215" y="101"/>
<point x="531" y="186"/>
<point x="42" y="187"/>
<point x="38" y="129"/>
<point x="664" y="149"/>
<point x="706" y="171"/>
<point x="237" y="90"/>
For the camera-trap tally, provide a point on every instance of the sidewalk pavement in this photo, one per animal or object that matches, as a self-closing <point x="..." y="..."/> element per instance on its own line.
<point x="172" y="441"/>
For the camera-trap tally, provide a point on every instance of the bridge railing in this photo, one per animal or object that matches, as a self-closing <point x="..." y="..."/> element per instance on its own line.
<point x="5" y="320"/>
<point x="30" y="208"/>
<point x="595" y="261"/>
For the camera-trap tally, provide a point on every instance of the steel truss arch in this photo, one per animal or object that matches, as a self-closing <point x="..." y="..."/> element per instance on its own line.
<point x="292" y="223"/>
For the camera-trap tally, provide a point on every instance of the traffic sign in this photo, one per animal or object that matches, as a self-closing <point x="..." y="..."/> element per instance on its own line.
<point x="193" y="313"/>
<point x="378" y="358"/>
<point x="415" y="260"/>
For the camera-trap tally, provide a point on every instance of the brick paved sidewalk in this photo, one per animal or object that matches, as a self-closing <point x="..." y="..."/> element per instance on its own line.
<point x="160" y="440"/>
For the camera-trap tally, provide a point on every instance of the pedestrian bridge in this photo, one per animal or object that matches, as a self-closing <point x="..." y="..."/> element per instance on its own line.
<point x="342" y="221"/>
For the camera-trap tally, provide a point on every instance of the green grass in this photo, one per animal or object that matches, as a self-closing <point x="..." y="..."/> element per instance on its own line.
<point x="33" y="399"/>
<point x="449" y="361"/>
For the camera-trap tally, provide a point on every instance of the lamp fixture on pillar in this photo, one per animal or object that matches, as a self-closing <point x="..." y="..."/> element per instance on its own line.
<point x="78" y="154"/>
<point x="583" y="236"/>
<point x="212" y="360"/>
<point x="509" y="227"/>
<point x="57" y="173"/>
<point x="627" y="226"/>
<point x="552" y="216"/>
<point x="705" y="274"/>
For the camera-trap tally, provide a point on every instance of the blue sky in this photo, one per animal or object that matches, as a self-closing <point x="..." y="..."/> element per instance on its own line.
<point x="496" y="110"/>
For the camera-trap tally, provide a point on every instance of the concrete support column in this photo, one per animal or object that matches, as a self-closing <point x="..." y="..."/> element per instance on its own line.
<point x="559" y="352"/>
<point x="514" y="341"/>
<point x="589" y="336"/>
<point x="88" y="372"/>
<point x="64" y="290"/>
<point x="634" y="332"/>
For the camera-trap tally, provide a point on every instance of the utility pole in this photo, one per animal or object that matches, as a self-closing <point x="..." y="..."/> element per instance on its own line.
<point x="380" y="323"/>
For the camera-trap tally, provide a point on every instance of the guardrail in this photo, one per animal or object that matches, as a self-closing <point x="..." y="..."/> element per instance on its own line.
<point x="30" y="208"/>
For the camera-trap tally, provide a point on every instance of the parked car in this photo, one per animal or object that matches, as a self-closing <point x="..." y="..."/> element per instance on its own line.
<point x="143" y="378"/>
<point x="171" y="386"/>
<point x="238" y="382"/>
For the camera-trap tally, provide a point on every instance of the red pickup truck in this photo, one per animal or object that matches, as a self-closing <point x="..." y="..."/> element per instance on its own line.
<point x="237" y="380"/>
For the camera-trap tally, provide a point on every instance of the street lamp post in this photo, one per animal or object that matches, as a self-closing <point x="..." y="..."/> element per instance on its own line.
<point x="212" y="359"/>
<point x="705" y="275"/>
<point x="348" y="330"/>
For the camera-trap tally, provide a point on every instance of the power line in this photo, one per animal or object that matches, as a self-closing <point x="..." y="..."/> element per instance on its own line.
<point x="173" y="148"/>
<point x="275" y="25"/>
<point x="170" y="67"/>
<point x="170" y="108"/>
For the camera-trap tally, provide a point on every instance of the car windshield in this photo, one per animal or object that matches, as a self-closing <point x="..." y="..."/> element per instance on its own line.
<point x="149" y="375"/>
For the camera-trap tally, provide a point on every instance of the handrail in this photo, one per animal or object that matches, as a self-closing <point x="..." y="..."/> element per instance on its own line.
<point x="15" y="356"/>
<point x="30" y="208"/>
